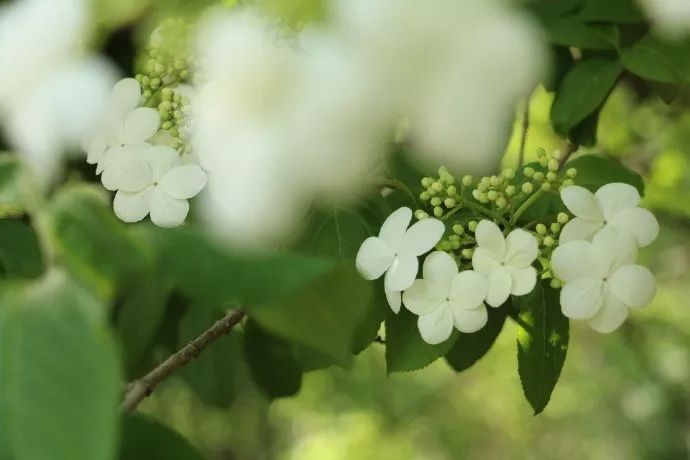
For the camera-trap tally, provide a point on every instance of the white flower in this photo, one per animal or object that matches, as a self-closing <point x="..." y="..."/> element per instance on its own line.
<point x="669" y="17"/>
<point x="612" y="205"/>
<point x="126" y="127"/>
<point x="155" y="182"/>
<point x="445" y="298"/>
<point x="395" y="251"/>
<point x="505" y="261"/>
<point x="601" y="281"/>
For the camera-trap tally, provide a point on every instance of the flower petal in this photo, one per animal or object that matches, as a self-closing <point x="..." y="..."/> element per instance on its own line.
<point x="582" y="298"/>
<point x="634" y="285"/>
<point x="571" y="261"/>
<point x="468" y="290"/>
<point x="127" y="171"/>
<point x="421" y="237"/>
<point x="162" y="159"/>
<point x="521" y="248"/>
<point x="490" y="238"/>
<point x="610" y="316"/>
<point x="167" y="212"/>
<point x="125" y="96"/>
<point x="394" y="227"/>
<point x="183" y="182"/>
<point x="440" y="268"/>
<point x="499" y="287"/>
<point x="581" y="202"/>
<point x="373" y="258"/>
<point x="523" y="280"/>
<point x="437" y="326"/>
<point x="96" y="147"/>
<point x="132" y="207"/>
<point x="394" y="299"/>
<point x="579" y="229"/>
<point x="484" y="262"/>
<point x="140" y="124"/>
<point x="639" y="222"/>
<point x="424" y="297"/>
<point x="402" y="273"/>
<point x="471" y="320"/>
<point x="615" y="197"/>
<point x="612" y="249"/>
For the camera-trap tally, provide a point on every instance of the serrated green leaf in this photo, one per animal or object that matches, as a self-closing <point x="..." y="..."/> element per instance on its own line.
<point x="653" y="59"/>
<point x="324" y="315"/>
<point x="574" y="33"/>
<point x="60" y="385"/>
<point x="405" y="348"/>
<point x="470" y="348"/>
<point x="20" y="252"/>
<point x="582" y="91"/>
<point x="542" y="343"/>
<point x="272" y="362"/>
<point x="213" y="374"/>
<point x="619" y="11"/>
<point x="593" y="171"/>
<point x="145" y="438"/>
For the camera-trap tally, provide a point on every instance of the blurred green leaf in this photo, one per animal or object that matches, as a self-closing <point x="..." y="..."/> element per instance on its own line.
<point x="14" y="187"/>
<point x="548" y="10"/>
<point x="593" y="171"/>
<point x="572" y="32"/>
<point x="405" y="348"/>
<point x="619" y="11"/>
<point x="339" y="234"/>
<point x="582" y="91"/>
<point x="470" y="348"/>
<point x="271" y="361"/>
<point x="324" y="315"/>
<point x="653" y="59"/>
<point x="542" y="343"/>
<point x="20" y="252"/>
<point x="585" y="132"/>
<point x="144" y="438"/>
<point x="213" y="374"/>
<point x="60" y="385"/>
<point x="373" y="317"/>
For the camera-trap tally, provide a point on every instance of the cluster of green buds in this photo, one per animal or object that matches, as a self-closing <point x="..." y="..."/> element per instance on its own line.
<point x="174" y="112"/>
<point x="547" y="235"/>
<point x="460" y="242"/>
<point x="497" y="190"/>
<point x="547" y="178"/>
<point x="441" y="193"/>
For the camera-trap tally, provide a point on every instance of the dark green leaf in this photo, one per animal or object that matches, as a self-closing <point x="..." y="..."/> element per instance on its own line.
<point x="654" y="59"/>
<point x="405" y="349"/>
<point x="325" y="315"/>
<point x="585" y="133"/>
<point x="562" y="62"/>
<point x="144" y="438"/>
<point x="583" y="90"/>
<point x="542" y="343"/>
<point x="371" y="322"/>
<point x="271" y="361"/>
<point x="20" y="253"/>
<point x="14" y="187"/>
<point x="548" y="10"/>
<point x="212" y="375"/>
<point x="574" y="33"/>
<point x="593" y="171"/>
<point x="60" y="386"/>
<point x="619" y="11"/>
<point x="470" y="348"/>
<point x="339" y="234"/>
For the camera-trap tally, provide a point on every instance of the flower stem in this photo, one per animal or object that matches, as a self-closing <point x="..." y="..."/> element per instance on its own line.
<point x="529" y="202"/>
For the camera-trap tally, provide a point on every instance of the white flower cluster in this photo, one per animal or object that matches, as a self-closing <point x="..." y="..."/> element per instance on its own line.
<point x="596" y="255"/>
<point x="289" y="122"/>
<point x="444" y="297"/>
<point x="148" y="178"/>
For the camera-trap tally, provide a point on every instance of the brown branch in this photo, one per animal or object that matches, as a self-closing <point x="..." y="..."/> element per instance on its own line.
<point x="523" y="138"/>
<point x="143" y="387"/>
<point x="569" y="150"/>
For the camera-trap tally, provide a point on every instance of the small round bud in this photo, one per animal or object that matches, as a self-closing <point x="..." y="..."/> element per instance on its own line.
<point x="571" y="172"/>
<point x="466" y="253"/>
<point x="438" y="211"/>
<point x="541" y="229"/>
<point x="510" y="190"/>
<point x="458" y="229"/>
<point x="455" y="245"/>
<point x="553" y="165"/>
<point x="420" y="214"/>
<point x="449" y="202"/>
<point x="546" y="186"/>
<point x="492" y="195"/>
<point x="508" y="173"/>
<point x="467" y="181"/>
<point x="477" y="194"/>
<point x="567" y="182"/>
<point x="427" y="181"/>
<point x="167" y="94"/>
<point x="147" y="93"/>
<point x="551" y="176"/>
<point x="554" y="283"/>
<point x="165" y="105"/>
<point x="483" y="186"/>
<point x="501" y="202"/>
<point x="472" y="225"/>
<point x="538" y="176"/>
<point x="436" y="201"/>
<point x="164" y="114"/>
<point x="437" y="186"/>
<point x="527" y="188"/>
<point x="155" y="83"/>
<point x="528" y="171"/>
<point x="562" y="218"/>
<point x="484" y="199"/>
<point x="159" y="68"/>
<point x="495" y="181"/>
<point x="541" y="152"/>
<point x="548" y="241"/>
<point x="555" y="227"/>
<point x="446" y="245"/>
<point x="145" y="81"/>
<point x="424" y="196"/>
<point x="543" y="162"/>
<point x="450" y="179"/>
<point x="452" y="190"/>
<point x="556" y="155"/>
<point x="166" y="125"/>
<point x="452" y="238"/>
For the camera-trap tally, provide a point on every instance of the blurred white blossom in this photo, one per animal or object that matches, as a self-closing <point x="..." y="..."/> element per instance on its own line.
<point x="669" y="17"/>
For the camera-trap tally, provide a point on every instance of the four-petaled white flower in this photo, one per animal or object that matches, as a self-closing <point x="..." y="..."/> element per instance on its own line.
<point x="445" y="298"/>
<point x="395" y="251"/>
<point x="155" y="182"/>
<point x="601" y="280"/>
<point x="612" y="205"/>
<point x="505" y="261"/>
<point x="125" y="128"/>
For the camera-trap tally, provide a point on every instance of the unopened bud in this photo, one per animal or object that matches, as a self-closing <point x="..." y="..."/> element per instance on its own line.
<point x="508" y="173"/>
<point x="420" y="214"/>
<point x="546" y="186"/>
<point x="528" y="171"/>
<point x="492" y="195"/>
<point x="452" y="190"/>
<point x="527" y="188"/>
<point x="472" y="225"/>
<point x="553" y="165"/>
<point x="567" y="182"/>
<point x="562" y="218"/>
<point x="467" y="181"/>
<point x="571" y="172"/>
<point x="449" y="202"/>
<point x="555" y="227"/>
<point x="555" y="284"/>
<point x="551" y="176"/>
<point x="510" y="190"/>
<point x="538" y="176"/>
<point x="548" y="241"/>
<point x="437" y="186"/>
<point x="467" y="253"/>
<point x="438" y="211"/>
<point x="501" y="202"/>
<point x="424" y="196"/>
<point x="458" y="229"/>
<point x="540" y="152"/>
<point x="436" y="201"/>
<point x="495" y="181"/>
<point x="541" y="229"/>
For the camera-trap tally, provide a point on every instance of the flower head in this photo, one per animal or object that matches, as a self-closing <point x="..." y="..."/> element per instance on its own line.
<point x="505" y="261"/>
<point x="601" y="280"/>
<point x="445" y="298"/>
<point x="395" y="251"/>
<point x="612" y="205"/>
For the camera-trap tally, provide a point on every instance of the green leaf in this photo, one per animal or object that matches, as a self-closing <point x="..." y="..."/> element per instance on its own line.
<point x="405" y="349"/>
<point x="593" y="171"/>
<point x="212" y="375"/>
<point x="654" y="59"/>
<point x="470" y="348"/>
<point x="271" y="361"/>
<point x="585" y="132"/>
<point x="548" y="10"/>
<point x="373" y="317"/>
<point x="60" y="385"/>
<point x="571" y="32"/>
<point x="324" y="315"/>
<point x="92" y="242"/>
<point x="546" y="204"/>
<point x="542" y="343"/>
<point x="145" y="438"/>
<point x="582" y="91"/>
<point x="20" y="253"/>
<point x="14" y="187"/>
<point x="619" y="11"/>
<point x="339" y="234"/>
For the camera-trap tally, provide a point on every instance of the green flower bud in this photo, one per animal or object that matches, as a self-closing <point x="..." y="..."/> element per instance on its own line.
<point x="548" y="241"/>
<point x="567" y="182"/>
<point x="555" y="227"/>
<point x="452" y="238"/>
<point x="166" y="125"/>
<point x="155" y="83"/>
<point x="424" y="196"/>
<point x="508" y="173"/>
<point x="501" y="202"/>
<point x="164" y="114"/>
<point x="492" y="195"/>
<point x="571" y="172"/>
<point x="551" y="176"/>
<point x="467" y="181"/>
<point x="436" y="201"/>
<point x="472" y="225"/>
<point x="528" y="171"/>
<point x="450" y="179"/>
<point x="482" y="186"/>
<point x="510" y="190"/>
<point x="554" y="283"/>
<point x="553" y="165"/>
<point x="538" y="176"/>
<point x="167" y="94"/>
<point x="147" y="93"/>
<point x="541" y="229"/>
<point x="455" y="245"/>
<point x="546" y="186"/>
<point x="556" y="155"/>
<point x="159" y="68"/>
<point x="427" y="181"/>
<point x="495" y="181"/>
<point x="449" y="202"/>
<point x="540" y="152"/>
<point x="437" y="186"/>
<point x="145" y="81"/>
<point x="452" y="190"/>
<point x="467" y="253"/>
<point x="165" y="105"/>
<point x="562" y="218"/>
<point x="438" y="211"/>
<point x="446" y="246"/>
<point x="544" y="162"/>
<point x="527" y="188"/>
<point x="484" y="199"/>
<point x="477" y="194"/>
<point x="458" y="229"/>
<point x="420" y="214"/>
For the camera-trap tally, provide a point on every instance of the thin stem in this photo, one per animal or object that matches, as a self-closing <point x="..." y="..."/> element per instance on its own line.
<point x="529" y="202"/>
<point x="476" y="207"/>
<point x="523" y="138"/>
<point x="143" y="387"/>
<point x="570" y="149"/>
